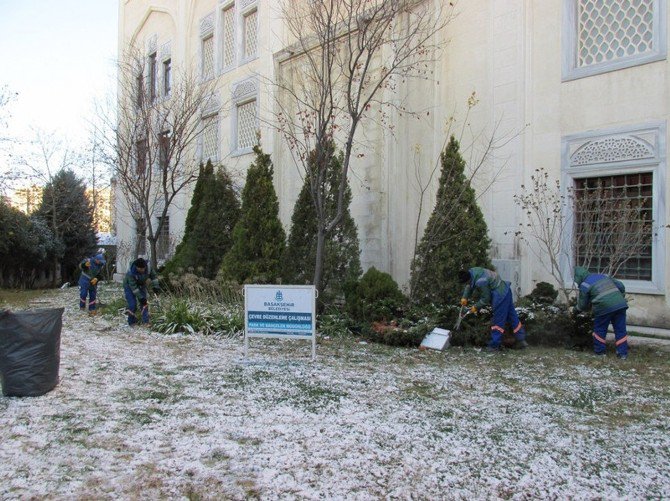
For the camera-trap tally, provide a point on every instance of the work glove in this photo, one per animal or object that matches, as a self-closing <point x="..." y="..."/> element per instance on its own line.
<point x="473" y="310"/>
<point x="143" y="302"/>
<point x="464" y="301"/>
<point x="94" y="281"/>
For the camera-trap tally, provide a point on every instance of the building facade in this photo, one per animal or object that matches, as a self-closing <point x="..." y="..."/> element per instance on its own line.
<point x="577" y="88"/>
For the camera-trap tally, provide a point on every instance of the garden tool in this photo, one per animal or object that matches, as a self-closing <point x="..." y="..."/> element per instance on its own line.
<point x="461" y="316"/>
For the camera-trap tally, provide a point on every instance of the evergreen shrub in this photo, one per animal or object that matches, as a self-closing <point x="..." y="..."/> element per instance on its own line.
<point x="214" y="211"/>
<point x="455" y="237"/>
<point x="341" y="254"/>
<point x="259" y="239"/>
<point x="375" y="297"/>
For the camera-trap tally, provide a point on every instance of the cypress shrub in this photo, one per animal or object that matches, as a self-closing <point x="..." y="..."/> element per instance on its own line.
<point x="341" y="253"/>
<point x="259" y="239"/>
<point x="209" y="224"/>
<point x="455" y="237"/>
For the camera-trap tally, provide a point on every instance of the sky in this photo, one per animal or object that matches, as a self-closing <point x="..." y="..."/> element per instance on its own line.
<point x="59" y="57"/>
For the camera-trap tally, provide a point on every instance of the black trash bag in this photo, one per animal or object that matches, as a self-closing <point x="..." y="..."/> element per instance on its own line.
<point x="30" y="351"/>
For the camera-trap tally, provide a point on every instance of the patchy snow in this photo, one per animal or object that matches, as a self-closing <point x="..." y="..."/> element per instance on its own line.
<point x="139" y="414"/>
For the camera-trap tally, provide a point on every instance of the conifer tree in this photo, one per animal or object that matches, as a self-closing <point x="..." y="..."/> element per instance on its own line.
<point x="209" y="224"/>
<point x="342" y="254"/>
<point x="66" y="209"/>
<point x="259" y="239"/>
<point x="455" y="237"/>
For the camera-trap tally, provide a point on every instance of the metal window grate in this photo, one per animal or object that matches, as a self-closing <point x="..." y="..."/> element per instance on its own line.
<point x="210" y="138"/>
<point x="164" y="238"/>
<point x="246" y="125"/>
<point x="250" y="34"/>
<point x="228" y="37"/>
<point x="613" y="216"/>
<point x="608" y="30"/>
<point x="208" y="57"/>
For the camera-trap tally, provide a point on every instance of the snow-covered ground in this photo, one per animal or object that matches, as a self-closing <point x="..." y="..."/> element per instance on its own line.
<point x="142" y="415"/>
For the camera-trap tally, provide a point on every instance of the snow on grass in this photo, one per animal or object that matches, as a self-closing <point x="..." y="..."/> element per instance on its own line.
<point x="139" y="414"/>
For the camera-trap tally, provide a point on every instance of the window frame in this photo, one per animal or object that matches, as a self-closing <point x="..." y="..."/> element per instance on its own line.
<point x="163" y="241"/>
<point x="141" y="157"/>
<point x="217" y="119"/>
<point x="223" y="9"/>
<point x="655" y="162"/>
<point x="140" y="236"/>
<point x="243" y="93"/>
<point x="167" y="77"/>
<point x="203" y="75"/>
<point x="153" y="76"/>
<point x="246" y="12"/>
<point x="570" y="70"/>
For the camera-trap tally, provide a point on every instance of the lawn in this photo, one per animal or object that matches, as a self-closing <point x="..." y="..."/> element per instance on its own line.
<point x="139" y="414"/>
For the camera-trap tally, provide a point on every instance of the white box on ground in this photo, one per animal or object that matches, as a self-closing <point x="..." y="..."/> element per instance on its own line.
<point x="437" y="339"/>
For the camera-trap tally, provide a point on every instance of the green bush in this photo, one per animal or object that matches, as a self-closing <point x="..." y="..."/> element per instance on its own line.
<point x="259" y="239"/>
<point x="209" y="225"/>
<point x="455" y="237"/>
<point x="543" y="293"/>
<point x="375" y="297"/>
<point x="341" y="261"/>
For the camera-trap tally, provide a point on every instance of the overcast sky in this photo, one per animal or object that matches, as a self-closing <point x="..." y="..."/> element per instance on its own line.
<point x="59" y="56"/>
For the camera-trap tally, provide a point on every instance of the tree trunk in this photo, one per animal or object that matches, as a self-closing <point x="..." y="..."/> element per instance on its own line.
<point x="318" y="264"/>
<point x="153" y="245"/>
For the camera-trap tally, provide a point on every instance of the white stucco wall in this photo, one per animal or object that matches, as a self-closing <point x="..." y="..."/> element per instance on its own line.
<point x="510" y="53"/>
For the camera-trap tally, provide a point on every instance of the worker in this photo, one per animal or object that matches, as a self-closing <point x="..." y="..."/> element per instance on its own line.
<point x="605" y="296"/>
<point x="88" y="281"/>
<point x="494" y="292"/>
<point x="138" y="276"/>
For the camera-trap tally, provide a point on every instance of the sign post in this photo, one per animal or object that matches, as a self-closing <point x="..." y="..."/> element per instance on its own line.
<point x="280" y="311"/>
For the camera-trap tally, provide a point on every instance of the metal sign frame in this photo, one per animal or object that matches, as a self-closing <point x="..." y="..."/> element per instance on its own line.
<point x="280" y="311"/>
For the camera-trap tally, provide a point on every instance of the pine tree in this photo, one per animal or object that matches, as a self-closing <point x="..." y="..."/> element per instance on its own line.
<point x="455" y="237"/>
<point x="341" y="261"/>
<point x="209" y="224"/>
<point x="259" y="239"/>
<point x="66" y="209"/>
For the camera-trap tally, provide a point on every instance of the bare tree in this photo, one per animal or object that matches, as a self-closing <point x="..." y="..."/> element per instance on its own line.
<point x="6" y="173"/>
<point x="150" y="142"/>
<point x="349" y="56"/>
<point x="594" y="226"/>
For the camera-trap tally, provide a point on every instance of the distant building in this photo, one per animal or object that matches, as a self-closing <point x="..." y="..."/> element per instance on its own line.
<point x="26" y="199"/>
<point x="580" y="88"/>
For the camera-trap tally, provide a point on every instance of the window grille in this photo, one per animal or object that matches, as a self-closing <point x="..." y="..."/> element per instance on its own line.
<point x="228" y="40"/>
<point x="613" y="214"/>
<point x="141" y="237"/>
<point x="167" y="77"/>
<point x="210" y="137"/>
<point x="246" y="125"/>
<point x="141" y="151"/>
<point x="164" y="238"/>
<point x="250" y="34"/>
<point x="164" y="150"/>
<point x="208" y="57"/>
<point x="153" y="77"/>
<point x="609" y="30"/>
